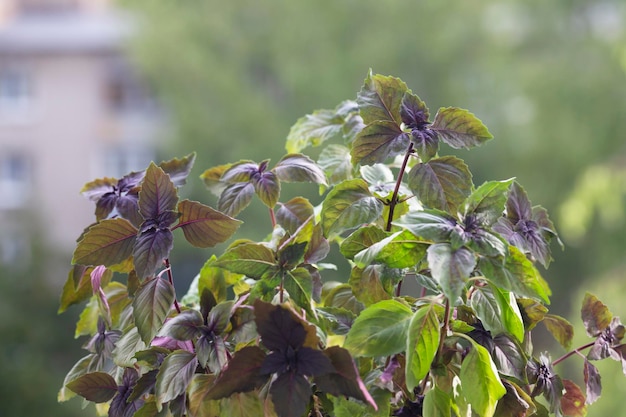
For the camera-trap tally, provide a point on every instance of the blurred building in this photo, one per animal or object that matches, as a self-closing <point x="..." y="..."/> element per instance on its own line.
<point x="71" y="110"/>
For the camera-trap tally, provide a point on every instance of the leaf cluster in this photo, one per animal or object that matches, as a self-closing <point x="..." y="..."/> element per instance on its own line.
<point x="260" y="332"/>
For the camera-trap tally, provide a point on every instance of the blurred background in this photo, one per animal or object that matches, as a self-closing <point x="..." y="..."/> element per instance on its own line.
<point x="93" y="88"/>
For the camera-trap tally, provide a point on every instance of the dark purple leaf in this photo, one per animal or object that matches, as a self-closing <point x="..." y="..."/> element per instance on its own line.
<point x="299" y="168"/>
<point x="175" y="375"/>
<point x="278" y="327"/>
<point x="509" y="357"/>
<point x="97" y="189"/>
<point x="312" y="362"/>
<point x="267" y="187"/>
<point x="120" y="406"/>
<point x="127" y="206"/>
<point x="151" y="306"/>
<point x="426" y="143"/>
<point x="518" y="205"/>
<point x="144" y="385"/>
<point x="203" y="226"/>
<point x="235" y="198"/>
<point x="344" y="379"/>
<point x="207" y="302"/>
<point x="291" y="394"/>
<point x="179" y="169"/>
<point x="593" y="382"/>
<point x="97" y="387"/>
<point x="378" y="142"/>
<point x="184" y="326"/>
<point x="413" y="111"/>
<point x="158" y="193"/>
<point x="241" y="375"/>
<point x="151" y="248"/>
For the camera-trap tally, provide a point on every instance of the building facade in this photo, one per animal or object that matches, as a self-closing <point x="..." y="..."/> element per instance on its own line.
<point x="71" y="109"/>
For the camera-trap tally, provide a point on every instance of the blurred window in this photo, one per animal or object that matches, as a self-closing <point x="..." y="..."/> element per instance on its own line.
<point x="16" y="92"/>
<point x="15" y="180"/>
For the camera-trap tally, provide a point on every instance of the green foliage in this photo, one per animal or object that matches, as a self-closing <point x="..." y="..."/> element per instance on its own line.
<point x="260" y="333"/>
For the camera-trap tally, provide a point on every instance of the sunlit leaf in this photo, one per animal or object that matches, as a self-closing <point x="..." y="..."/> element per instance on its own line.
<point x="178" y="169"/>
<point x="437" y="403"/>
<point x="487" y="202"/>
<point x="369" y="285"/>
<point x="399" y="250"/>
<point x="184" y="326"/>
<point x="175" y="375"/>
<point x="361" y="239"/>
<point x="250" y="259"/>
<point x="480" y="382"/>
<point x="267" y="187"/>
<point x="378" y="142"/>
<point x="433" y="225"/>
<point x="336" y="162"/>
<point x="593" y="382"/>
<point x="203" y="226"/>
<point x="422" y="344"/>
<point x="459" y="128"/>
<point x="349" y="205"/>
<point x="216" y="280"/>
<point x="450" y="268"/>
<point x="380" y="98"/>
<point x="212" y="178"/>
<point x="498" y="311"/>
<point x="441" y="183"/>
<point x="151" y="305"/>
<point x="380" y="330"/>
<point x="127" y="347"/>
<point x="560" y="328"/>
<point x="106" y="243"/>
<point x="595" y="314"/>
<point x="97" y="387"/>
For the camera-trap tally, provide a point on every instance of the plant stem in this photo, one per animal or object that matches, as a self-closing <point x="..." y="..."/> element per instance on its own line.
<point x="171" y="279"/>
<point x="394" y="197"/>
<point x="273" y="218"/>
<point x="577" y="350"/>
<point x="442" y="337"/>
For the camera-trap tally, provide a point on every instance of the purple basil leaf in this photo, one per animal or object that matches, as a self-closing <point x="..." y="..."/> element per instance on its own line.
<point x="277" y="362"/>
<point x="345" y="379"/>
<point x="144" y="385"/>
<point x="378" y="142"/>
<point x="413" y="111"/>
<point x="518" y="205"/>
<point x="292" y="214"/>
<point x="235" y="198"/>
<point x="595" y="315"/>
<point x="158" y="193"/>
<point x="426" y="143"/>
<point x="127" y="206"/>
<point x="267" y="187"/>
<point x="151" y="248"/>
<point x="312" y="362"/>
<point x="299" y="168"/>
<point x="291" y="394"/>
<point x="593" y="382"/>
<point x="179" y="169"/>
<point x="105" y="205"/>
<point x="120" y="407"/>
<point x="207" y="302"/>
<point x="241" y="171"/>
<point x="241" y="375"/>
<point x="278" y="327"/>
<point x="97" y="387"/>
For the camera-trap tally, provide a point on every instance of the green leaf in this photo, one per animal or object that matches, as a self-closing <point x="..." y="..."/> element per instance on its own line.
<point x="292" y="214"/>
<point x="250" y="259"/>
<point x="349" y="205"/>
<point x="487" y="202"/>
<point x="441" y="183"/>
<point x="369" y="286"/>
<point x="242" y="405"/>
<point x="318" y="127"/>
<point x="341" y="296"/>
<point x="97" y="387"/>
<point x="175" y="375"/>
<point x="299" y="168"/>
<point x="498" y="311"/>
<point x="380" y="330"/>
<point x="422" y="344"/>
<point x="127" y="347"/>
<point x="216" y="280"/>
<point x="437" y="403"/>
<point x="107" y="243"/>
<point x="235" y="198"/>
<point x="241" y="375"/>
<point x="560" y="328"/>
<point x="336" y="163"/>
<point x="380" y="98"/>
<point x="399" y="250"/>
<point x="199" y="405"/>
<point x="299" y="284"/>
<point x="203" y="226"/>
<point x="480" y="382"/>
<point x="151" y="306"/>
<point x="516" y="273"/>
<point x="158" y="193"/>
<point x="596" y="316"/>
<point x="361" y="239"/>
<point x="151" y="249"/>
<point x="459" y="128"/>
<point x="450" y="268"/>
<point x="184" y="326"/>
<point x="378" y="142"/>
